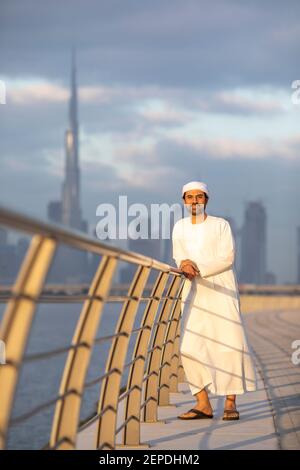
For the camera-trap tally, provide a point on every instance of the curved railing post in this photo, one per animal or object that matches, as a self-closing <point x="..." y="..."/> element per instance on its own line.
<point x="67" y="410"/>
<point x="167" y="352"/>
<point x="17" y="320"/>
<point x="110" y="388"/>
<point x="154" y="363"/>
<point x="131" y="435"/>
<point x="177" y="374"/>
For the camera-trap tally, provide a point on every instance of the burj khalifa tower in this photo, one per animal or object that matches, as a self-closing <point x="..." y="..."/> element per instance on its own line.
<point x="71" y="211"/>
<point x="70" y="263"/>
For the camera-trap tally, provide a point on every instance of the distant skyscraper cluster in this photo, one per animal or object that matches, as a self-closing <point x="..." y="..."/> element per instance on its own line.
<point x="251" y="248"/>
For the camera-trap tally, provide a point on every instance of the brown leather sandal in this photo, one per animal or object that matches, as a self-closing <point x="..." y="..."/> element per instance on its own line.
<point x="231" y="415"/>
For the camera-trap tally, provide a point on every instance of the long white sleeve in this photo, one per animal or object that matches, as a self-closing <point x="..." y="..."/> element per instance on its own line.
<point x="178" y="250"/>
<point x="225" y="254"/>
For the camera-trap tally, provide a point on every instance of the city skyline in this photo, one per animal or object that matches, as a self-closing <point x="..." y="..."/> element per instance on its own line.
<point x="159" y="106"/>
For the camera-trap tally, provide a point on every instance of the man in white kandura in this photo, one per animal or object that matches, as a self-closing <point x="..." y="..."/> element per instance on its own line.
<point x="214" y="348"/>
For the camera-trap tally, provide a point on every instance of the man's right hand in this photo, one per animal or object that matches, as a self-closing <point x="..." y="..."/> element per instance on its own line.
<point x="189" y="268"/>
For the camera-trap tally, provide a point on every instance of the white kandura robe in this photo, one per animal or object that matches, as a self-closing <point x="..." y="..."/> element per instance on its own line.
<point x="213" y="345"/>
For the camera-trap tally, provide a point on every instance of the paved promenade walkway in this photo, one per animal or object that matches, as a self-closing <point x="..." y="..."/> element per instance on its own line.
<point x="269" y="417"/>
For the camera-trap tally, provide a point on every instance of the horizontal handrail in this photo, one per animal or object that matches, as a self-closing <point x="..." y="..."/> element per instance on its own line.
<point x="75" y="238"/>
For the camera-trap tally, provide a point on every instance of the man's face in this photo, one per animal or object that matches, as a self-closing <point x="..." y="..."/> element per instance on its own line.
<point x="193" y="197"/>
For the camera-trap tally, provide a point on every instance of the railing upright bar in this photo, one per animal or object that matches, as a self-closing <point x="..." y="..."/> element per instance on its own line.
<point x="176" y="372"/>
<point x="17" y="320"/>
<point x="166" y="355"/>
<point x="66" y="417"/>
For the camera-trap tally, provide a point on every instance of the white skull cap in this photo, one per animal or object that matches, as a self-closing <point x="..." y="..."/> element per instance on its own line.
<point x="195" y="185"/>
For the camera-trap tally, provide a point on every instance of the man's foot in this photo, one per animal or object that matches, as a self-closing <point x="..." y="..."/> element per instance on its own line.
<point x="207" y="409"/>
<point x="230" y="411"/>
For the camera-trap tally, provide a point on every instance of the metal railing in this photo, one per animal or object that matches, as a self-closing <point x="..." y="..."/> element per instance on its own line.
<point x="155" y="368"/>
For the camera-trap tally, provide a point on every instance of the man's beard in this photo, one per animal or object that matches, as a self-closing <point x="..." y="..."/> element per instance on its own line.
<point x="198" y="211"/>
<point x="196" y="208"/>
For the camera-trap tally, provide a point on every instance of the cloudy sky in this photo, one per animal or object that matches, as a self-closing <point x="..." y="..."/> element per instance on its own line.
<point x="170" y="91"/>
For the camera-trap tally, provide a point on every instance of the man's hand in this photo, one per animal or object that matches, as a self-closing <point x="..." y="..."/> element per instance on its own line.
<point x="189" y="268"/>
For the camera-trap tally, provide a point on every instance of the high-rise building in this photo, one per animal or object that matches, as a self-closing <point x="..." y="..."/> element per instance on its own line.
<point x="235" y="235"/>
<point x="11" y="256"/>
<point x="3" y="236"/>
<point x="54" y="211"/>
<point x="70" y="264"/>
<point x="270" y="278"/>
<point x="7" y="258"/>
<point x="71" y="212"/>
<point x="254" y="245"/>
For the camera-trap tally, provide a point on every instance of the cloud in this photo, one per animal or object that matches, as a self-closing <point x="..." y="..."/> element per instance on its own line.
<point x="241" y="149"/>
<point x="165" y="115"/>
<point x="232" y="102"/>
<point x="36" y="92"/>
<point x="190" y="44"/>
